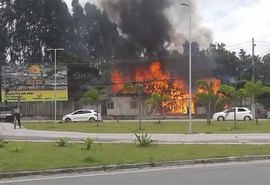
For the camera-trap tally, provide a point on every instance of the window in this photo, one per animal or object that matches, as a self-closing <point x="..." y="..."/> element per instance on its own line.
<point x="241" y="110"/>
<point x="86" y="112"/>
<point x="78" y="112"/>
<point x="110" y="105"/>
<point x="133" y="104"/>
<point x="230" y="110"/>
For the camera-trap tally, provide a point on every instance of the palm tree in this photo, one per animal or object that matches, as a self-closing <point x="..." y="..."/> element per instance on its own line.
<point x="231" y="97"/>
<point x="207" y="96"/>
<point x="93" y="96"/>
<point x="254" y="89"/>
<point x="157" y="100"/>
<point x="138" y="89"/>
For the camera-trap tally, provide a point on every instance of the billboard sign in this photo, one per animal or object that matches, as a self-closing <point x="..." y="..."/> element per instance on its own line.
<point x="34" y="83"/>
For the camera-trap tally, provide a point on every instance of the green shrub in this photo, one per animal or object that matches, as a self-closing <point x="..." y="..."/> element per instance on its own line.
<point x="143" y="139"/>
<point x="88" y="142"/>
<point x="3" y="142"/>
<point x="16" y="149"/>
<point x="151" y="161"/>
<point x="62" y="141"/>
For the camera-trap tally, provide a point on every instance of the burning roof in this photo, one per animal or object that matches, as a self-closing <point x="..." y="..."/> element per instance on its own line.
<point x="155" y="79"/>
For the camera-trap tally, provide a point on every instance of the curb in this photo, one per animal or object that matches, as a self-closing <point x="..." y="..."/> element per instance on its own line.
<point x="137" y="165"/>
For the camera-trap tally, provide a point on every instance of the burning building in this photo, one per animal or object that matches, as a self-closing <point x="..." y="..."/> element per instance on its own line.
<point x="155" y="78"/>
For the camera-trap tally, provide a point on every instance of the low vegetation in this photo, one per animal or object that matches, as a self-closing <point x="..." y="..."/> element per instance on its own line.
<point x="88" y="142"/>
<point x="3" y="142"/>
<point x="40" y="156"/>
<point x="144" y="139"/>
<point x="62" y="141"/>
<point x="16" y="149"/>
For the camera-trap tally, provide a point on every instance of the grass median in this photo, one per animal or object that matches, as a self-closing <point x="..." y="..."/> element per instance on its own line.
<point x="44" y="156"/>
<point x="172" y="127"/>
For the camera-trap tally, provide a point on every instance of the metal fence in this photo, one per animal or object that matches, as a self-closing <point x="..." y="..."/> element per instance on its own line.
<point x="45" y="110"/>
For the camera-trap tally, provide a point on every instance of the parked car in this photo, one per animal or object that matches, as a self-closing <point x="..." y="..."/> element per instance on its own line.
<point x="242" y="113"/>
<point x="82" y="115"/>
<point x="6" y="113"/>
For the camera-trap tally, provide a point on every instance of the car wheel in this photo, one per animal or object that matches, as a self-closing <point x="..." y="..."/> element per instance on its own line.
<point x="220" y="118"/>
<point x="247" y="118"/>
<point x="92" y="120"/>
<point x="67" y="120"/>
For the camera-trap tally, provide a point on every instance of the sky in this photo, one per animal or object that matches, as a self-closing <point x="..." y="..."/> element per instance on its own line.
<point x="236" y="22"/>
<point x="233" y="22"/>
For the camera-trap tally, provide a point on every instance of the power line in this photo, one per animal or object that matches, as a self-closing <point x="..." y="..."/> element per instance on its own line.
<point x="240" y="47"/>
<point x="263" y="42"/>
<point x="266" y="45"/>
<point x="145" y="81"/>
<point x="238" y="44"/>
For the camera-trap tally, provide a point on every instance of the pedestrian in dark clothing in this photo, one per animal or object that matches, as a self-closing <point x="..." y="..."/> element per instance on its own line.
<point x="16" y="113"/>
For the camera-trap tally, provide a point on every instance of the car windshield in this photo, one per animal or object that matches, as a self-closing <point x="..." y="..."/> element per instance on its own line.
<point x="230" y="110"/>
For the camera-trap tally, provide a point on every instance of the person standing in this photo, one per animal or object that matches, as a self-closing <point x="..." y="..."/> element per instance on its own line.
<point x="16" y="113"/>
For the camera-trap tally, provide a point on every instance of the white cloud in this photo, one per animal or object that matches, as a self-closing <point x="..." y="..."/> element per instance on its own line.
<point x="237" y="22"/>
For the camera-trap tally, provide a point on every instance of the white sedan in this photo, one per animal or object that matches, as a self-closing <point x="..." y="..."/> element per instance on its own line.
<point x="242" y="113"/>
<point x="82" y="115"/>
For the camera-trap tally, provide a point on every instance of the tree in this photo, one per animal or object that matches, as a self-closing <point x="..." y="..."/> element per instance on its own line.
<point x="226" y="62"/>
<point x="254" y="89"/>
<point x="101" y="35"/>
<point x="138" y="89"/>
<point x="195" y="48"/>
<point x="93" y="96"/>
<point x="207" y="96"/>
<point x="78" y="22"/>
<point x="32" y="26"/>
<point x="157" y="100"/>
<point x="231" y="97"/>
<point x="3" y="31"/>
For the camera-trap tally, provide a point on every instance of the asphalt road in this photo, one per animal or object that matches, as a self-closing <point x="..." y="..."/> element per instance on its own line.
<point x="7" y="131"/>
<point x="244" y="173"/>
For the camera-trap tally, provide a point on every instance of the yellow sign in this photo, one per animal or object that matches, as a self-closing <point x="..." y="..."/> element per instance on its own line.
<point x="40" y="95"/>
<point x="34" y="83"/>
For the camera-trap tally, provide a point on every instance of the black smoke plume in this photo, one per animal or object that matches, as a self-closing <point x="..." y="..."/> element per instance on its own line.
<point x="143" y="22"/>
<point x="157" y="25"/>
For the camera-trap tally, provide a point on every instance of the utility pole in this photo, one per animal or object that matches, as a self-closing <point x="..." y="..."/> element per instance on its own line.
<point x="253" y="80"/>
<point x="253" y="68"/>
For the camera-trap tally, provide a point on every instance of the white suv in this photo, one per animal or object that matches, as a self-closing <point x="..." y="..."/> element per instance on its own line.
<point x="82" y="115"/>
<point x="242" y="113"/>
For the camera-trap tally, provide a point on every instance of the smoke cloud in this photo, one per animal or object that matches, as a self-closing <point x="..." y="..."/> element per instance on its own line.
<point x="142" y="21"/>
<point x="157" y="24"/>
<point x="179" y="18"/>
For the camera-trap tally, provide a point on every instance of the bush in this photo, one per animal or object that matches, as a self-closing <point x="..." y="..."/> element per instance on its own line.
<point x="143" y="139"/>
<point x="88" y="142"/>
<point x="3" y="142"/>
<point x="16" y="149"/>
<point x="62" y="141"/>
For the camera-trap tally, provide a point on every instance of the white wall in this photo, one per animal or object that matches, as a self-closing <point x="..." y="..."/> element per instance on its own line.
<point x="122" y="107"/>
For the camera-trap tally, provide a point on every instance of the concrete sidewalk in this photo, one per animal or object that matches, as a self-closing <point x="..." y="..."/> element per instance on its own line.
<point x="8" y="132"/>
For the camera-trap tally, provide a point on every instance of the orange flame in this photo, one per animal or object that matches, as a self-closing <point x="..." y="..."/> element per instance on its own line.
<point x="216" y="85"/>
<point x="118" y="80"/>
<point x="156" y="80"/>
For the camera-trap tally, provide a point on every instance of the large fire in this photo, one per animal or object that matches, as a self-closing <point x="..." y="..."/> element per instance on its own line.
<point x="155" y="79"/>
<point x="212" y="83"/>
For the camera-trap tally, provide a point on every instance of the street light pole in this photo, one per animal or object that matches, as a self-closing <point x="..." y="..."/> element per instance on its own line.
<point x="253" y="106"/>
<point x="189" y="74"/>
<point x="55" y="72"/>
